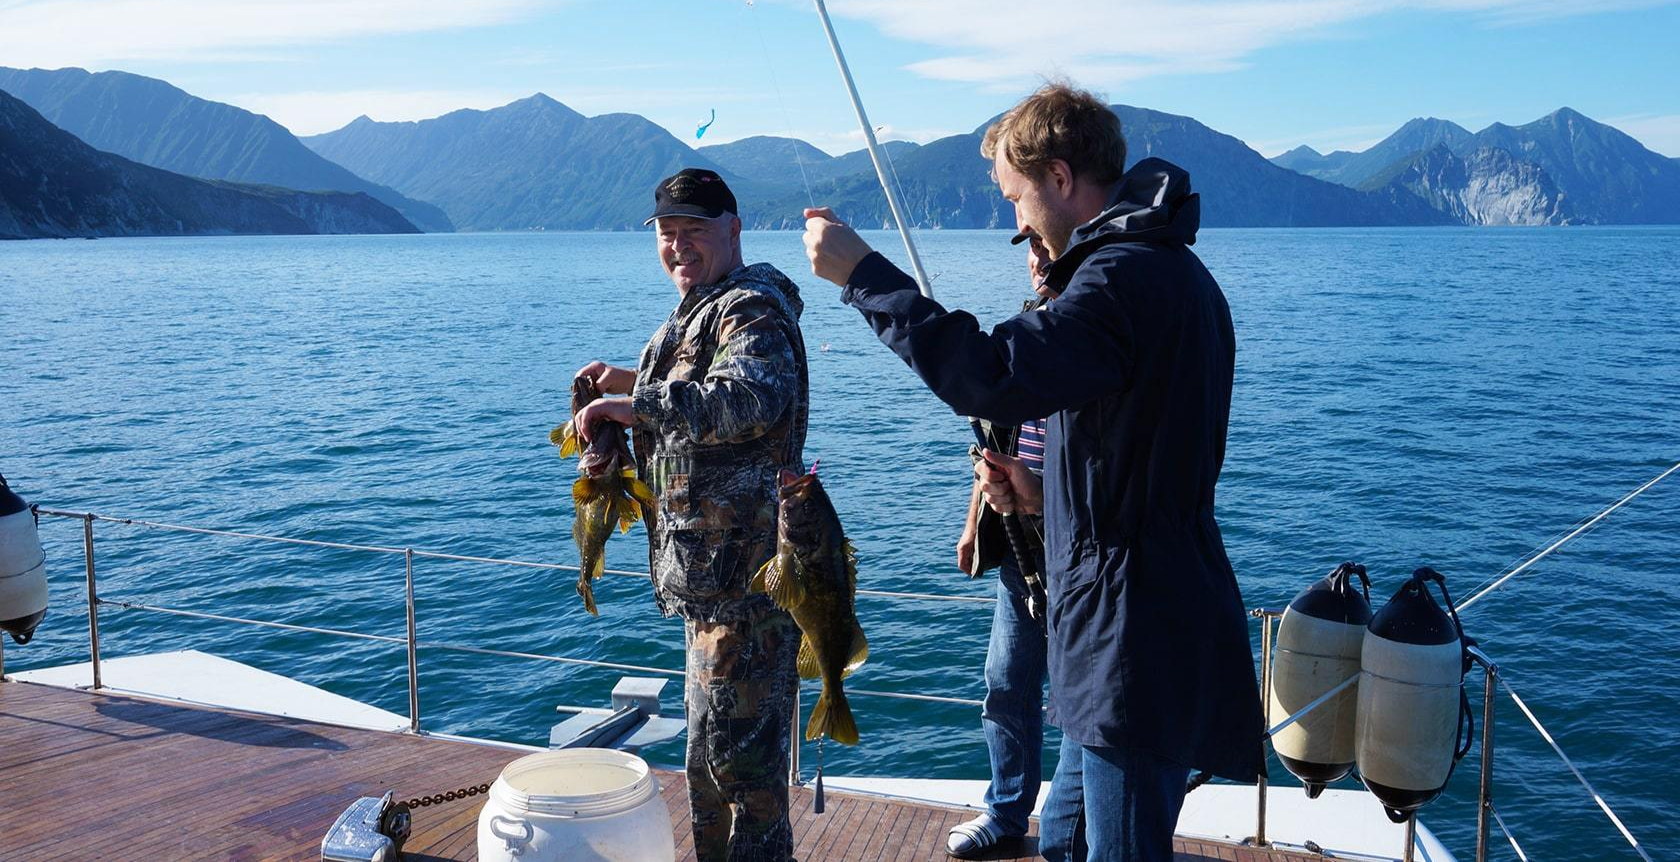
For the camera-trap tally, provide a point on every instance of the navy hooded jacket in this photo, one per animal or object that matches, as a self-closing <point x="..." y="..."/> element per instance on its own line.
<point x="1149" y="645"/>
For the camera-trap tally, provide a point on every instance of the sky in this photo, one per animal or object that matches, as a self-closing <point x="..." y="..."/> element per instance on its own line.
<point x="1332" y="74"/>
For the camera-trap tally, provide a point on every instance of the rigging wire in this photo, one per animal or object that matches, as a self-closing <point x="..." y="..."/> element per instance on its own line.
<point x="1462" y="606"/>
<point x="1591" y="791"/>
<point x="1523" y="857"/>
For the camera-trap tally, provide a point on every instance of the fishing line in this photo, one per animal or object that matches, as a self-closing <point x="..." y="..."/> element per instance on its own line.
<point x="787" y="119"/>
<point x="927" y="205"/>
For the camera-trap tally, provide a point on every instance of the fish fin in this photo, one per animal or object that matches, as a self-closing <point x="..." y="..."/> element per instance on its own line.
<point x="859" y="652"/>
<point x="808" y="667"/>
<point x="639" y="491"/>
<point x="832" y="718"/>
<point x="756" y="585"/>
<point x="566" y="438"/>
<point x="783" y="584"/>
<point x="582" y="490"/>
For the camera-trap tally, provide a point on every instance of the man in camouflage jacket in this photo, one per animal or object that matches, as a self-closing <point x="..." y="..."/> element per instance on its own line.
<point x="718" y="409"/>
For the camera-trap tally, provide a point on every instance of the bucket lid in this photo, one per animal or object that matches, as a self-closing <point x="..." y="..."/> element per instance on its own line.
<point x="577" y="782"/>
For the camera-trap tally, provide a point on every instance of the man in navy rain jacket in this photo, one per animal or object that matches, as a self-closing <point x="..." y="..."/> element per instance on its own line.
<point x="1151" y="673"/>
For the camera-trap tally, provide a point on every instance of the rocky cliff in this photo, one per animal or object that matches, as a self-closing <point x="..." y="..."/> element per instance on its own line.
<point x="54" y="185"/>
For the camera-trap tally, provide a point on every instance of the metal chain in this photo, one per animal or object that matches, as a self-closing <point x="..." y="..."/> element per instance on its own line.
<point x="451" y="796"/>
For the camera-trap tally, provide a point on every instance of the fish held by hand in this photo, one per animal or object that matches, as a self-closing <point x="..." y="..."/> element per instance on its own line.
<point x="607" y="493"/>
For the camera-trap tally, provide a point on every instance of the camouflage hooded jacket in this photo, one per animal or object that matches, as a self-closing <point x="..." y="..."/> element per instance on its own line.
<point x="721" y="402"/>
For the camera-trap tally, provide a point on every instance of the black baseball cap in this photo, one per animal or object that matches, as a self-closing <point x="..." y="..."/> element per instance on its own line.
<point x="693" y="192"/>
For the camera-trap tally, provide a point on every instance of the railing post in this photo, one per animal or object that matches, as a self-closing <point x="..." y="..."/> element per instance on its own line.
<point x="793" y="741"/>
<point x="1411" y="837"/>
<point x="1484" y="810"/>
<point x="92" y="598"/>
<point x="1266" y="710"/>
<point x="413" y="658"/>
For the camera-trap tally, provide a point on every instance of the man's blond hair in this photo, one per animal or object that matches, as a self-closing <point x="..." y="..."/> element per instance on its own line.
<point x="1060" y="121"/>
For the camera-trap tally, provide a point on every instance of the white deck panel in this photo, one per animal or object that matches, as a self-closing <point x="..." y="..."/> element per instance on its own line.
<point x="202" y="679"/>
<point x="1345" y="823"/>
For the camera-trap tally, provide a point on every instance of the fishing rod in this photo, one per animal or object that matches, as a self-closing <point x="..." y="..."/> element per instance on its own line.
<point x="893" y="203"/>
<point x="1036" y="597"/>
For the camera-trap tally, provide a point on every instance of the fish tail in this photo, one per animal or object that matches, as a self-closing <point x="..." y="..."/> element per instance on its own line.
<point x="586" y="590"/>
<point x="832" y="718"/>
<point x="859" y="653"/>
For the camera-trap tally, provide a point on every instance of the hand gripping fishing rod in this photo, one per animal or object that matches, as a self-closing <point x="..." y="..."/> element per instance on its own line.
<point x="1011" y="523"/>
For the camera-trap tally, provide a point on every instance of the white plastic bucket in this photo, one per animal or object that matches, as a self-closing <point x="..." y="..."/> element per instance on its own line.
<point x="576" y="804"/>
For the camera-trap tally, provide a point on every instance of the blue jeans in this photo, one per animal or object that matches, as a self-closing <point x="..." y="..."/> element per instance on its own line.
<point x="1111" y="805"/>
<point x="1013" y="716"/>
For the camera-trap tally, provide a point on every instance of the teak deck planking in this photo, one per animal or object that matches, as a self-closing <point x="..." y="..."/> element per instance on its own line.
<point x="90" y="775"/>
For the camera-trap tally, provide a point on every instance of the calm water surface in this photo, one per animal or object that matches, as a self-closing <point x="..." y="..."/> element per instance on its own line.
<point x="1442" y="396"/>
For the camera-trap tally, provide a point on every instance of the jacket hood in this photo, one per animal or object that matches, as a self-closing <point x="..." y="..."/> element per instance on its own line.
<point x="1152" y="203"/>
<point x="768" y="276"/>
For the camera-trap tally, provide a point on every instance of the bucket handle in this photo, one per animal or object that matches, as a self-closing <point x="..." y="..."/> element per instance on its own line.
<point x="515" y="842"/>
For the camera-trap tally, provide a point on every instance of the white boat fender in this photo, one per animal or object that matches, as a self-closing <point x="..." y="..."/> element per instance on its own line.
<point x="1414" y="722"/>
<point x="1318" y="646"/>
<point x="23" y="567"/>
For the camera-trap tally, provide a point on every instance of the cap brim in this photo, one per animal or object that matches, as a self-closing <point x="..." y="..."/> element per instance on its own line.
<point x="686" y="211"/>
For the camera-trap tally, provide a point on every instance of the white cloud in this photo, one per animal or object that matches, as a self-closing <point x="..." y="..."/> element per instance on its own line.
<point x="97" y="32"/>
<point x="1658" y="132"/>
<point x="310" y="113"/>
<point x="1004" y="45"/>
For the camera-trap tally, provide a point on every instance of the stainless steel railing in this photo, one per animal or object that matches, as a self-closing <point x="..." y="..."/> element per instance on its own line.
<point x="1487" y="814"/>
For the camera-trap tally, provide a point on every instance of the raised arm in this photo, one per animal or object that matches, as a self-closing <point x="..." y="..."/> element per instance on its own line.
<point x="1076" y="349"/>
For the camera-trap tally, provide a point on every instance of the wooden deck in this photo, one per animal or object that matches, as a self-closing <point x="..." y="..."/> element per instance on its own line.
<point x="99" y="776"/>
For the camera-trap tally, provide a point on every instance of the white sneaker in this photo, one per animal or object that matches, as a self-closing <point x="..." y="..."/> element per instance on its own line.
<point x="972" y="838"/>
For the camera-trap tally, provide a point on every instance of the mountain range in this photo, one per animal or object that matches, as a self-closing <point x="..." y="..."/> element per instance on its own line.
<point x="537" y="164"/>
<point x="1564" y="168"/>
<point x="52" y="184"/>
<point x="155" y="123"/>
<point x="534" y="163"/>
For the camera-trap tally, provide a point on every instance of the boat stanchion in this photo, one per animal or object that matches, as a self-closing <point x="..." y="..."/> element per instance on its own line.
<point x="413" y="656"/>
<point x="793" y="742"/>
<point x="1484" y="808"/>
<point x="1411" y="837"/>
<point x="92" y="598"/>
<point x="1266" y="617"/>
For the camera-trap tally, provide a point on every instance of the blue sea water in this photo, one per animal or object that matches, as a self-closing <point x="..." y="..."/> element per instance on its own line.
<point x="1451" y="397"/>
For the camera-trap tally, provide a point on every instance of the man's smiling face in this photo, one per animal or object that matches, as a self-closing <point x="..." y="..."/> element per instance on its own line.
<point x="698" y="251"/>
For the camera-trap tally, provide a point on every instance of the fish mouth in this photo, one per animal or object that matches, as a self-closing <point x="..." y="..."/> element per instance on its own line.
<point x="792" y="482"/>
<point x="595" y="464"/>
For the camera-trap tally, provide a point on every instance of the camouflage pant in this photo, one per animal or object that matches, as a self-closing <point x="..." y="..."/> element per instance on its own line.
<point x="741" y="686"/>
